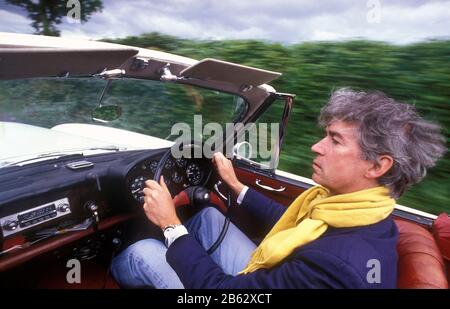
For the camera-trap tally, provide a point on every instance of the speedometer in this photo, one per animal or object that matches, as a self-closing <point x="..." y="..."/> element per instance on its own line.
<point x="194" y="174"/>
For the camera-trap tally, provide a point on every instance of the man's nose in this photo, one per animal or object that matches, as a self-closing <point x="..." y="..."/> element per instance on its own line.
<point x="317" y="147"/>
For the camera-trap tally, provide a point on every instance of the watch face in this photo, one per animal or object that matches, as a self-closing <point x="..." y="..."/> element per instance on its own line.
<point x="169" y="236"/>
<point x="169" y="228"/>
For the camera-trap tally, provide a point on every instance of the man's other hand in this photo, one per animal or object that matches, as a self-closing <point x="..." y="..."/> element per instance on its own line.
<point x="159" y="207"/>
<point x="225" y="169"/>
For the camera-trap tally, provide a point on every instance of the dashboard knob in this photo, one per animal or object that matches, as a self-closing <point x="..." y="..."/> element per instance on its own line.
<point x="10" y="225"/>
<point x="63" y="207"/>
<point x="91" y="206"/>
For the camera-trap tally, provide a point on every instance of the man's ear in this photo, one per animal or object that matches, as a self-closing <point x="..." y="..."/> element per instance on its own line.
<point x="381" y="167"/>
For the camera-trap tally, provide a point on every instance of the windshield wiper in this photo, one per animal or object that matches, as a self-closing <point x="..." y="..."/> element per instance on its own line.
<point x="111" y="148"/>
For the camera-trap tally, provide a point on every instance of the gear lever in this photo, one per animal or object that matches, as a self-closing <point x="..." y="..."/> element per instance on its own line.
<point x="199" y="197"/>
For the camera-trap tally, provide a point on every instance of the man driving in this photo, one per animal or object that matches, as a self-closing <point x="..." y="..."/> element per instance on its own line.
<point x="332" y="236"/>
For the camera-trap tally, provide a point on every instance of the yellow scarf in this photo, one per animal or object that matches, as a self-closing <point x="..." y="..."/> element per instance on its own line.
<point x="309" y="216"/>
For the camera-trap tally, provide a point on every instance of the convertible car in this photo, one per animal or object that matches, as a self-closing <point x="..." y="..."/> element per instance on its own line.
<point x="83" y="124"/>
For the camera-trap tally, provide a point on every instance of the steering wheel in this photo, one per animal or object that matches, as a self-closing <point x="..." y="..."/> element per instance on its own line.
<point x="196" y="196"/>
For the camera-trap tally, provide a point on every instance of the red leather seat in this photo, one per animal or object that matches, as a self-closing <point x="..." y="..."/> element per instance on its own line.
<point x="421" y="264"/>
<point x="441" y="232"/>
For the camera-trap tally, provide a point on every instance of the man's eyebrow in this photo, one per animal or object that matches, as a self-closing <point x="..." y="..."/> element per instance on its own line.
<point x="335" y="134"/>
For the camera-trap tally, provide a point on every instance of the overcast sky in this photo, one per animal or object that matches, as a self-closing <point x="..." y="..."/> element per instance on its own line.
<point x="285" y="21"/>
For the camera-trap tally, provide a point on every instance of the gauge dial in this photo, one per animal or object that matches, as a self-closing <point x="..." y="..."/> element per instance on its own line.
<point x="169" y="164"/>
<point x="136" y="187"/>
<point x="177" y="177"/>
<point x="153" y="166"/>
<point x="181" y="162"/>
<point x="194" y="173"/>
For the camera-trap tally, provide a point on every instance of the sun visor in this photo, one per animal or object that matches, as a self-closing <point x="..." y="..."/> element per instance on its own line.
<point x="48" y="62"/>
<point x="213" y="69"/>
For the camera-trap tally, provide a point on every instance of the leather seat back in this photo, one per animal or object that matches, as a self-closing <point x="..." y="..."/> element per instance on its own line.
<point x="421" y="264"/>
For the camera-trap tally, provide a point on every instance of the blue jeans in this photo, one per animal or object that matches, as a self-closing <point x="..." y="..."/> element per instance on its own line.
<point x="143" y="264"/>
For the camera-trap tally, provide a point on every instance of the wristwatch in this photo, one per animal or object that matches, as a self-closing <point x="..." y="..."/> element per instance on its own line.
<point x="172" y="232"/>
<point x="169" y="227"/>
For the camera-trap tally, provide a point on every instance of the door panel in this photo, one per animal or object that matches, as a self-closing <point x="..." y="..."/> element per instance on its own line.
<point x="292" y="188"/>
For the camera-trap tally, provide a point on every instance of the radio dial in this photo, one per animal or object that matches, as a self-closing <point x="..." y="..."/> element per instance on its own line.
<point x="10" y="225"/>
<point x="63" y="207"/>
<point x="17" y="222"/>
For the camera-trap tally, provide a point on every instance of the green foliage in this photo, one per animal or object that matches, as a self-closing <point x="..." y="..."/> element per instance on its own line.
<point x="46" y="14"/>
<point x="418" y="74"/>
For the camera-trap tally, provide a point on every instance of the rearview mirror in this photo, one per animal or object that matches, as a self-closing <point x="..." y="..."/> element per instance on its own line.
<point x="106" y="113"/>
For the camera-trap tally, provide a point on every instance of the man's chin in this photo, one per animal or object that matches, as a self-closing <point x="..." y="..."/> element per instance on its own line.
<point x="315" y="178"/>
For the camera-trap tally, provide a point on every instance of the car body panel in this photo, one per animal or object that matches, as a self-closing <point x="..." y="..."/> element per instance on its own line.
<point x="20" y="141"/>
<point x="114" y="136"/>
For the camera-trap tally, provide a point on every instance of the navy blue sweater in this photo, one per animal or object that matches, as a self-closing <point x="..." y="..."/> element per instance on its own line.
<point x="360" y="257"/>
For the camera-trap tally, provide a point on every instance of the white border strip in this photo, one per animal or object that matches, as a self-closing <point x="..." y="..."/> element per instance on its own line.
<point x="397" y="206"/>
<point x="296" y="177"/>
<point x="415" y="211"/>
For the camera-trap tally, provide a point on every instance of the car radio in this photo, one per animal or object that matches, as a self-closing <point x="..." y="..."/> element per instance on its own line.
<point x="18" y="222"/>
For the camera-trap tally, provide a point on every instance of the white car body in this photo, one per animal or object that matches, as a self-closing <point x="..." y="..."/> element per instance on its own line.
<point x="20" y="141"/>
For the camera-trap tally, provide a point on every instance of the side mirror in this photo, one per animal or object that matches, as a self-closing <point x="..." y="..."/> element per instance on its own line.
<point x="106" y="113"/>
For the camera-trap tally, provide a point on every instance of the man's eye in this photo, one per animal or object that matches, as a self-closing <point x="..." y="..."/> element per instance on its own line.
<point x="334" y="141"/>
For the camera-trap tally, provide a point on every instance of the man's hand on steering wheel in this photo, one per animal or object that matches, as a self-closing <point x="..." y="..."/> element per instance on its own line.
<point x="159" y="206"/>
<point x="225" y="170"/>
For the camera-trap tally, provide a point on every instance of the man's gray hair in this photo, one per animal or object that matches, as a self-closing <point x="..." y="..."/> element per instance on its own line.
<point x="387" y="127"/>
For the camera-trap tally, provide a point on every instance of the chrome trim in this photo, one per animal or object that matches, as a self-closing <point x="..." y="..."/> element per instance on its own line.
<point x="216" y="187"/>
<point x="258" y="183"/>
<point x="415" y="211"/>
<point x="289" y="101"/>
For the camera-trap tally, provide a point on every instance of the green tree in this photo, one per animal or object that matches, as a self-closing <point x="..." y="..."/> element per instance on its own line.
<point x="46" y="14"/>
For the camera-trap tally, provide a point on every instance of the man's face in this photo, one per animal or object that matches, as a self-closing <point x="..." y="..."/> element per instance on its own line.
<point x="338" y="165"/>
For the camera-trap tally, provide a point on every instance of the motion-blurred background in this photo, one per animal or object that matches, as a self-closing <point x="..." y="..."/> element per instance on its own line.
<point x="400" y="47"/>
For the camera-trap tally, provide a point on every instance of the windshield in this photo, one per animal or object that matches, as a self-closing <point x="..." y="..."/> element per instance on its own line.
<point x="45" y="116"/>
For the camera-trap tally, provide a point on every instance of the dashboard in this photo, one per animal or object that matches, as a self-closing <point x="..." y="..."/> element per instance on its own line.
<point x="53" y="196"/>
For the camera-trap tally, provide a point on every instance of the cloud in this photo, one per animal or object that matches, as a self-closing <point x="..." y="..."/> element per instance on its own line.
<point x="14" y="22"/>
<point x="285" y="21"/>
